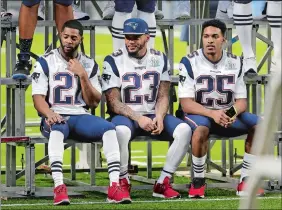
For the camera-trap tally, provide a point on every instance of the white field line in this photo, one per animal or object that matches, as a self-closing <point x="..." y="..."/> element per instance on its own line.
<point x="150" y="201"/>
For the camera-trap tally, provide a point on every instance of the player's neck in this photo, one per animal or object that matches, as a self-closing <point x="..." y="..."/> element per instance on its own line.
<point x="214" y="58"/>
<point x="141" y="53"/>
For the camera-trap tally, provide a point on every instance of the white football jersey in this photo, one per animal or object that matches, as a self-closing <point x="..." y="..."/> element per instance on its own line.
<point x="137" y="79"/>
<point x="60" y="86"/>
<point x="214" y="85"/>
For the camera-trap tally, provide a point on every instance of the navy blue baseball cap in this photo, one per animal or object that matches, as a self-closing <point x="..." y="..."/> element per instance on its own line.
<point x="135" y="26"/>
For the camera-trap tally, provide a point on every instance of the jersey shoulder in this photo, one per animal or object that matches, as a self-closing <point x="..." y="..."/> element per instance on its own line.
<point x="155" y="52"/>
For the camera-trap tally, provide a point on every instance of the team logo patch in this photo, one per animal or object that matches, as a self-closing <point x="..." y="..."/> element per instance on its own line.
<point x="35" y="76"/>
<point x="85" y="64"/>
<point x="182" y="79"/>
<point x="132" y="25"/>
<point x="230" y="65"/>
<point x="154" y="62"/>
<point x="106" y="78"/>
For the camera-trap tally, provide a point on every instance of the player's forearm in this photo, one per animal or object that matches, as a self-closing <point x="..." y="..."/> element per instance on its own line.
<point x="90" y="95"/>
<point x="240" y="105"/>
<point x="162" y="100"/>
<point x="115" y="105"/>
<point x="122" y="109"/>
<point x="41" y="105"/>
<point x="189" y="106"/>
<point x="162" y="107"/>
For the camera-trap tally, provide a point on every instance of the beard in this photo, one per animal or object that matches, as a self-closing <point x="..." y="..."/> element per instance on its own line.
<point x="135" y="54"/>
<point x="70" y="53"/>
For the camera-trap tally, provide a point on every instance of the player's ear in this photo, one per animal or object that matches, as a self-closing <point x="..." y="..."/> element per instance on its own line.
<point x="148" y="37"/>
<point x="81" y="40"/>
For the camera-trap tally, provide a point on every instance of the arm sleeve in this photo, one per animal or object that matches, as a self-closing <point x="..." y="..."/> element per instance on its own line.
<point x="110" y="75"/>
<point x="94" y="78"/>
<point x="165" y="73"/>
<point x="186" y="84"/>
<point x="39" y="81"/>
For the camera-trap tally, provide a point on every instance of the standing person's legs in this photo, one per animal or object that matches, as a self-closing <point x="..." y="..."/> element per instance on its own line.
<point x="123" y="11"/>
<point x="27" y="25"/>
<point x="145" y="11"/>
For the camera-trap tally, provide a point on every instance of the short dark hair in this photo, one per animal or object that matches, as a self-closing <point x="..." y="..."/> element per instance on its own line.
<point x="214" y="23"/>
<point x="75" y="24"/>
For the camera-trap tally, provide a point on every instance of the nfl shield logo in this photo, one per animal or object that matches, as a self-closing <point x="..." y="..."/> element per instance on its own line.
<point x="133" y="25"/>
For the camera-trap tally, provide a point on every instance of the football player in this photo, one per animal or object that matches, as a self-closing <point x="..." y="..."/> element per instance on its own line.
<point x="136" y="83"/>
<point x="123" y="10"/>
<point x="64" y="84"/>
<point x="243" y="20"/>
<point x="213" y="96"/>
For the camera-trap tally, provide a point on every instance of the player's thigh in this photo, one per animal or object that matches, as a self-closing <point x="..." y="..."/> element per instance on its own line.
<point x="124" y="6"/>
<point x="170" y="123"/>
<point x="89" y="128"/>
<point x="64" y="2"/>
<point x="146" y="5"/>
<point x="194" y="121"/>
<point x="30" y="3"/>
<point x="119" y="120"/>
<point x="238" y="128"/>
<point x="249" y="119"/>
<point x="61" y="127"/>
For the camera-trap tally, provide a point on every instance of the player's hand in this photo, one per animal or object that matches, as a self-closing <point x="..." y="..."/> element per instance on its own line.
<point x="220" y="117"/>
<point x="159" y="122"/>
<point x="232" y="120"/>
<point x="52" y="118"/>
<point x="75" y="67"/>
<point x="146" y="124"/>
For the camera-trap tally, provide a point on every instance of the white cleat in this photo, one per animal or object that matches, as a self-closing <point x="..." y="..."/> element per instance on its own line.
<point x="250" y="66"/>
<point x="41" y="11"/>
<point x="181" y="10"/>
<point x="5" y="16"/>
<point x="78" y="14"/>
<point x="158" y="14"/>
<point x="109" y="10"/>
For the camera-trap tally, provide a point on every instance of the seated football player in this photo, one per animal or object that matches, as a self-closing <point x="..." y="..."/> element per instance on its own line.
<point x="213" y="97"/>
<point x="64" y="84"/>
<point x="136" y="84"/>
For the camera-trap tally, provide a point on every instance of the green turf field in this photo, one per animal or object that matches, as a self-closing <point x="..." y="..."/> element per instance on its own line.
<point x="221" y="199"/>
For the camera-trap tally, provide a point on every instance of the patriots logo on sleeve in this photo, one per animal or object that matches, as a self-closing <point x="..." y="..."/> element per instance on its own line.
<point x="106" y="78"/>
<point x="182" y="79"/>
<point x="35" y="76"/>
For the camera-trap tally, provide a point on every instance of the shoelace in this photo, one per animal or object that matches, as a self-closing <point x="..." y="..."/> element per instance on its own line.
<point x="61" y="189"/>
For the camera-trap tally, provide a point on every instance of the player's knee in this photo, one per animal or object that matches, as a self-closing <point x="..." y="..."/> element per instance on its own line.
<point x="62" y="127"/>
<point x="29" y="3"/>
<point x="124" y="6"/>
<point x="201" y="135"/>
<point x="63" y="2"/>
<point x="243" y="1"/>
<point x="183" y="132"/>
<point x="108" y="126"/>
<point x="123" y="134"/>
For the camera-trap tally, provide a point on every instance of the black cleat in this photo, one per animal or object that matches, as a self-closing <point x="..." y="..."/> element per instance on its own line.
<point x="23" y="67"/>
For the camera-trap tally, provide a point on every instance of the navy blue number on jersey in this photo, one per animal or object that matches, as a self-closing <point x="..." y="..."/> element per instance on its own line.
<point x="68" y="99"/>
<point x="215" y="84"/>
<point x="130" y="97"/>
